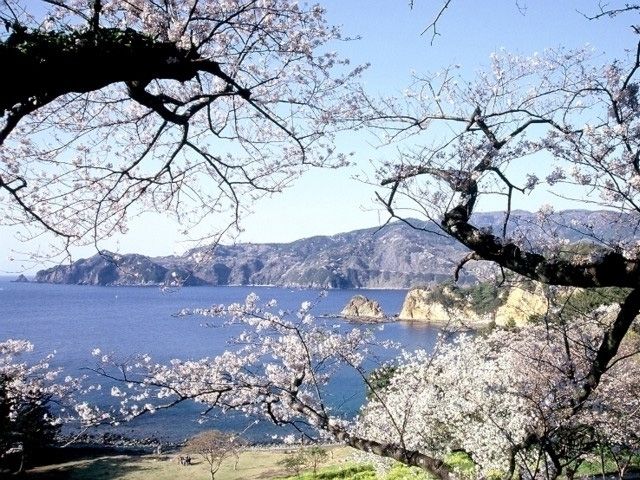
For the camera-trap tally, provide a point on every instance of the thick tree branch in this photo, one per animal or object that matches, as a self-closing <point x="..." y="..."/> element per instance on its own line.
<point x="81" y="62"/>
<point x="408" y="457"/>
<point x="611" y="270"/>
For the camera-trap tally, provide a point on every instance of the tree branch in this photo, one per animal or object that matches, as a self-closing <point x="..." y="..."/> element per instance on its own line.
<point x="80" y="62"/>
<point x="608" y="349"/>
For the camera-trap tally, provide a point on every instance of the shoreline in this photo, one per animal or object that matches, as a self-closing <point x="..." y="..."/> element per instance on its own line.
<point x="122" y="443"/>
<point x="161" y="285"/>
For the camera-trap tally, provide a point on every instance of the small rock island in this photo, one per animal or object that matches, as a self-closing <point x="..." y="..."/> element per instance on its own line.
<point x="362" y="308"/>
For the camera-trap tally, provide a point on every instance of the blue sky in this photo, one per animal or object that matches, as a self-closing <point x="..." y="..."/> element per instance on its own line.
<point x="327" y="201"/>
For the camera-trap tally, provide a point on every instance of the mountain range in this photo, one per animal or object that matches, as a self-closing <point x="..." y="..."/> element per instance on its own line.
<point x="395" y="256"/>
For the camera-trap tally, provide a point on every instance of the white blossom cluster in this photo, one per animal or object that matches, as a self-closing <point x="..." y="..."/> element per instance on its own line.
<point x="501" y="397"/>
<point x="24" y="383"/>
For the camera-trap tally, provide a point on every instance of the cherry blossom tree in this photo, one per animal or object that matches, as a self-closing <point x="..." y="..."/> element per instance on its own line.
<point x="194" y="108"/>
<point x="507" y="400"/>
<point x="33" y="402"/>
<point x="560" y="120"/>
<point x="578" y="117"/>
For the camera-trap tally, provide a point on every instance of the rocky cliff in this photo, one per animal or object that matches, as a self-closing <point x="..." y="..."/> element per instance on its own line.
<point x="441" y="306"/>
<point x="113" y="269"/>
<point x="521" y="304"/>
<point x="474" y="306"/>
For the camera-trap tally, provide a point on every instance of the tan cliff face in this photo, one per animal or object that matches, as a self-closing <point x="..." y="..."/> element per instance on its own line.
<point x="419" y="306"/>
<point x="521" y="304"/>
<point x="517" y="306"/>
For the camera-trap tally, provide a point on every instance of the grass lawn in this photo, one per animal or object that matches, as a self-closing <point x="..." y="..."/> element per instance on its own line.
<point x="253" y="464"/>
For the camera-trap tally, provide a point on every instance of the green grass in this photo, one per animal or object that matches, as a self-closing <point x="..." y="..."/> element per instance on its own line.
<point x="594" y="467"/>
<point x="461" y="462"/>
<point x="347" y="472"/>
<point x="363" y="472"/>
<point x="402" y="472"/>
<point x="253" y="465"/>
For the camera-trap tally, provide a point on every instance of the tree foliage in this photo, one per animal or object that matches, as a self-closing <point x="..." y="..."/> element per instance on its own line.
<point x="509" y="399"/>
<point x="25" y="426"/>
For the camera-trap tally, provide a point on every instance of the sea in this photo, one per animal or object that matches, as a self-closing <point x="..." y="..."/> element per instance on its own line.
<point x="72" y="320"/>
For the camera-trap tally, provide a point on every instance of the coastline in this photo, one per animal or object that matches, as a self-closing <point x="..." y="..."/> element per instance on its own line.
<point x="209" y="285"/>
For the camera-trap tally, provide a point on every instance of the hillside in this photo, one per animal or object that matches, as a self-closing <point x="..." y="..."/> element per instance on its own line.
<point x="395" y="256"/>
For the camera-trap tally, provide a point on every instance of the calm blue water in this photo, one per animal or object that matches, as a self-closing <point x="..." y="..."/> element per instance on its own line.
<point x="75" y="319"/>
